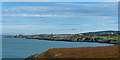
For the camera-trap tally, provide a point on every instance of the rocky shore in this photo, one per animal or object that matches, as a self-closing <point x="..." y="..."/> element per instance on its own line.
<point x="70" y="38"/>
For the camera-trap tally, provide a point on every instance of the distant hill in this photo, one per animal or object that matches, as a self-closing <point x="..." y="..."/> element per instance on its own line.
<point x="102" y="32"/>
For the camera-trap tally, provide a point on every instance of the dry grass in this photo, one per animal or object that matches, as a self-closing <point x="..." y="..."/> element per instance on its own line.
<point x="82" y="52"/>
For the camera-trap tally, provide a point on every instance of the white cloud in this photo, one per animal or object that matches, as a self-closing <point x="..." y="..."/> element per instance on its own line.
<point x="70" y="15"/>
<point x="109" y="21"/>
<point x="42" y="15"/>
<point x="115" y="24"/>
<point x="25" y="8"/>
<point x="100" y="23"/>
<point x="30" y="15"/>
<point x="107" y="17"/>
<point x="85" y="4"/>
<point x="86" y="25"/>
<point x="62" y="9"/>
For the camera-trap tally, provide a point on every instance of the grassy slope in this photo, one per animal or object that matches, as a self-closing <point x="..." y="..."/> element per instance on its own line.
<point x="108" y="37"/>
<point x="82" y="52"/>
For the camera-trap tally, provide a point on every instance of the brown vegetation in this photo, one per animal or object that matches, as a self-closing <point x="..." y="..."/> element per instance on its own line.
<point x="82" y="52"/>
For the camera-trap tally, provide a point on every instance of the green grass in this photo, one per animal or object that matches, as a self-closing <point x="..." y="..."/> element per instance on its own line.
<point x="107" y="37"/>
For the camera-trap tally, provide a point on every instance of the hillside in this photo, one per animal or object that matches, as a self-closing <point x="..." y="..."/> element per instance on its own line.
<point x="102" y="32"/>
<point x="81" y="52"/>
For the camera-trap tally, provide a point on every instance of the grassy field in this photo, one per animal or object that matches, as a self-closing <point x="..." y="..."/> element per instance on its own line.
<point x="108" y="37"/>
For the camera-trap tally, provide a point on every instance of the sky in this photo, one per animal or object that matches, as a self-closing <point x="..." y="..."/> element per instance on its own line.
<point x="60" y="0"/>
<point x="58" y="17"/>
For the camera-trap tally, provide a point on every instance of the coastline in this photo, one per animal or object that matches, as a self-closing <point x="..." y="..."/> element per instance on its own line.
<point x="80" y="52"/>
<point x="26" y="47"/>
<point x="70" y="38"/>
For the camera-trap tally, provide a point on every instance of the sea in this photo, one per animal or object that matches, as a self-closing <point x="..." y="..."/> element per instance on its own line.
<point x="22" y="47"/>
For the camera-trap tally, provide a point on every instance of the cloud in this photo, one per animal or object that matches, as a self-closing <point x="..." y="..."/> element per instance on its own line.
<point x="109" y="21"/>
<point x="59" y="16"/>
<point x="37" y="15"/>
<point x="29" y="15"/>
<point x="91" y="4"/>
<point x="70" y="24"/>
<point x="75" y="17"/>
<point x="107" y="17"/>
<point x="78" y="9"/>
<point x="86" y="25"/>
<point x="116" y="25"/>
<point x="24" y="9"/>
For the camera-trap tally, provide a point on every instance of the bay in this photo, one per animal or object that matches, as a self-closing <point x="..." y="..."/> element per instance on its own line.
<point x="22" y="48"/>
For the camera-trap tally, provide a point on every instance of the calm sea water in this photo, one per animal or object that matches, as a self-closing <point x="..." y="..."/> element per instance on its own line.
<point x="22" y="48"/>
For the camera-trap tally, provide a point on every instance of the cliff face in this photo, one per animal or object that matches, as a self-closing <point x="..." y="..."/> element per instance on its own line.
<point x="81" y="52"/>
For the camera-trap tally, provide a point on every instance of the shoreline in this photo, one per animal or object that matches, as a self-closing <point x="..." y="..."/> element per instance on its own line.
<point x="41" y="45"/>
<point x="77" y="52"/>
<point x="69" y="38"/>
